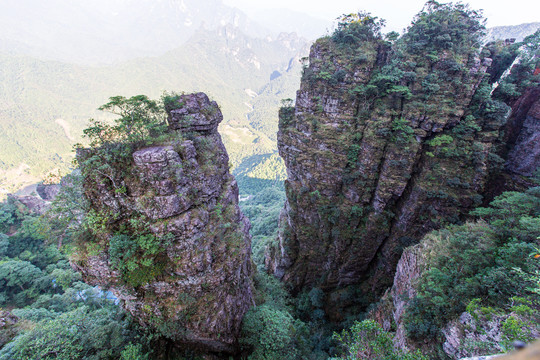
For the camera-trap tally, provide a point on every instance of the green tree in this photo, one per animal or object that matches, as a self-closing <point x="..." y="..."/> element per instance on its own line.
<point x="272" y="334"/>
<point x="139" y="119"/>
<point x="355" y="28"/>
<point x="20" y="281"/>
<point x="366" y="340"/>
<point x="78" y="334"/>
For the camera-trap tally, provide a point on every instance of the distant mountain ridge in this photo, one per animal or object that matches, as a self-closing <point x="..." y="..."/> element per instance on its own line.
<point x="287" y="20"/>
<point x="45" y="105"/>
<point x="102" y="31"/>
<point x="518" y="32"/>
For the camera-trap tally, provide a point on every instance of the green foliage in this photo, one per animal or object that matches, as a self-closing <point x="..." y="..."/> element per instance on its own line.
<point x="402" y="132"/>
<point x="271" y="333"/>
<point x="442" y="27"/>
<point x="61" y="223"/>
<point x="12" y="213"/>
<point x="63" y="318"/>
<point x="512" y="328"/>
<point x="269" y="330"/>
<point x="352" y="154"/>
<point x="136" y="257"/>
<point x="483" y="260"/>
<point x="390" y="80"/>
<point x="6" y="218"/>
<point x="355" y="28"/>
<point x="261" y="199"/>
<point x="440" y="140"/>
<point x="141" y="122"/>
<point x="286" y="115"/>
<point x="133" y="352"/>
<point x="514" y="215"/>
<point x="366" y="340"/>
<point x="82" y="333"/>
<point x="20" y="281"/>
<point x="140" y="118"/>
<point x="523" y="71"/>
<point x="171" y="101"/>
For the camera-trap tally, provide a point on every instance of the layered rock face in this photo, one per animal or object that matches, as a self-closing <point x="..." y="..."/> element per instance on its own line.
<point x="523" y="134"/>
<point x="521" y="154"/>
<point x="384" y="144"/>
<point x="391" y="308"/>
<point x="171" y="242"/>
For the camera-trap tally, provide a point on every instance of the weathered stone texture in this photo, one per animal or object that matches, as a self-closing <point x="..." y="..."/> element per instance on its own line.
<point x="524" y="134"/>
<point x="364" y="179"/>
<point x="183" y="192"/>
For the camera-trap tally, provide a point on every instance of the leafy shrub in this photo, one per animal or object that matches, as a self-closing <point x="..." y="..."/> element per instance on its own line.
<point x="78" y="334"/>
<point x="439" y="27"/>
<point x="270" y="333"/>
<point x="366" y="340"/>
<point x="357" y="27"/>
<point x="483" y="260"/>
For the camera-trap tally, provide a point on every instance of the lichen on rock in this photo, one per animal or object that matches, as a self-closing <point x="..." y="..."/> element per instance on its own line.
<point x="165" y="233"/>
<point x="386" y="142"/>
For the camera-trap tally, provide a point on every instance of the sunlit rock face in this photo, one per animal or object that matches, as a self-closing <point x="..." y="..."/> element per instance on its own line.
<point x="177" y="224"/>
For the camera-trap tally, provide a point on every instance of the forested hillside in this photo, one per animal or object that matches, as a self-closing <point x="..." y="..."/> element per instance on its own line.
<point x="45" y="105"/>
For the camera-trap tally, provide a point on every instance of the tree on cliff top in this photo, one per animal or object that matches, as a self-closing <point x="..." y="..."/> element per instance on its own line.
<point x="445" y="27"/>
<point x="140" y="118"/>
<point x="357" y="27"/>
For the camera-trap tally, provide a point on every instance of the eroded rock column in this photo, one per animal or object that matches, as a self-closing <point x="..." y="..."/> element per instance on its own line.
<point x="169" y="238"/>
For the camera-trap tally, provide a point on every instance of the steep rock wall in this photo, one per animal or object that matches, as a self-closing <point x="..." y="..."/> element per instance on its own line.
<point x="519" y="146"/>
<point x="520" y="150"/>
<point x="523" y="134"/>
<point x="384" y="144"/>
<point x="170" y="240"/>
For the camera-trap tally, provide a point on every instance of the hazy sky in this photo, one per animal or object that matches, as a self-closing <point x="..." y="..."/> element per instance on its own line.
<point x="399" y="13"/>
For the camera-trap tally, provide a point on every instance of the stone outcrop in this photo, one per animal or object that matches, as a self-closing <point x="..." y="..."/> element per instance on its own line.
<point x="8" y="327"/>
<point x="523" y="134"/>
<point x="172" y="243"/>
<point x="48" y="192"/>
<point x="380" y="148"/>
<point x="197" y="114"/>
<point x="41" y="202"/>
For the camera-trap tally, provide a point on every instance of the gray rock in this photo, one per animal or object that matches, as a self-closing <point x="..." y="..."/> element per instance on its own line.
<point x="182" y="193"/>
<point x="48" y="192"/>
<point x="524" y="158"/>
<point x="196" y="113"/>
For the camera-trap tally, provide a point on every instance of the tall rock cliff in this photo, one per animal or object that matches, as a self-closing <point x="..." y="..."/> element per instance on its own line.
<point x="518" y="86"/>
<point x="166" y="235"/>
<point x="387" y="140"/>
<point x="520" y="152"/>
<point x="524" y="134"/>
